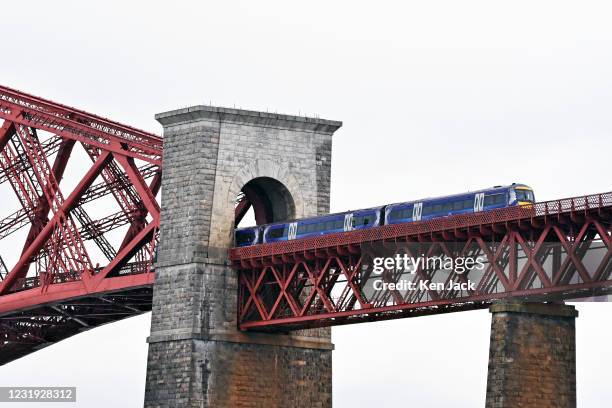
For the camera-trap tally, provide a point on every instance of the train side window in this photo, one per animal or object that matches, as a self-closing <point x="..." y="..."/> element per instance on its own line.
<point x="447" y="207"/>
<point x="401" y="214"/>
<point x="458" y="205"/>
<point x="361" y="220"/>
<point x="408" y="212"/>
<point x="278" y="232"/>
<point x="395" y="214"/>
<point x="469" y="203"/>
<point x="427" y="210"/>
<point x="437" y="208"/>
<point x="494" y="199"/>
<point x="339" y="224"/>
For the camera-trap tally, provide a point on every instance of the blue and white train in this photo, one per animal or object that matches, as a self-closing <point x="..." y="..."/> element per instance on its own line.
<point x="475" y="201"/>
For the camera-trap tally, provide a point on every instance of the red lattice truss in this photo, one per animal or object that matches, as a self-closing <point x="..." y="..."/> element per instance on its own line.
<point x="55" y="287"/>
<point x="325" y="281"/>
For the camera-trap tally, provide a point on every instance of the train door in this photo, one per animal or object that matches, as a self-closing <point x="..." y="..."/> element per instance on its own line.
<point x="292" y="231"/>
<point x="417" y="211"/>
<point x="478" y="202"/>
<point x="348" y="222"/>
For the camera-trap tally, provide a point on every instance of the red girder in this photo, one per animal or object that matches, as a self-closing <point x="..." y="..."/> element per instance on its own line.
<point x="102" y="226"/>
<point x="50" y="147"/>
<point x="67" y="122"/>
<point x="55" y="275"/>
<point x="262" y="207"/>
<point x="536" y="252"/>
<point x="20" y="177"/>
<point x="41" y="212"/>
<point x="242" y="207"/>
<point x="107" y="187"/>
<point x="14" y="222"/>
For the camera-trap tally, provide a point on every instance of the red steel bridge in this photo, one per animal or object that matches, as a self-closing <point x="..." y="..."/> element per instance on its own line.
<point x="81" y="192"/>
<point x="553" y="250"/>
<point x="72" y="271"/>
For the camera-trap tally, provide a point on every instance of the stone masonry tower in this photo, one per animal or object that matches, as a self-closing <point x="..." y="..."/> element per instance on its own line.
<point x="197" y="357"/>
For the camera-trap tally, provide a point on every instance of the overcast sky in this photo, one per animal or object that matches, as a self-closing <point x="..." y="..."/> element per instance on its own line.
<point x="436" y="97"/>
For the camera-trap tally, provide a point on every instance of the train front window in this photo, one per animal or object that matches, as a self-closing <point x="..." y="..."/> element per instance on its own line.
<point x="244" y="237"/>
<point x="524" y="195"/>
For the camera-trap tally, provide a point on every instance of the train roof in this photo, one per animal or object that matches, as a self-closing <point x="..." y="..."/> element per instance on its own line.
<point x="484" y="190"/>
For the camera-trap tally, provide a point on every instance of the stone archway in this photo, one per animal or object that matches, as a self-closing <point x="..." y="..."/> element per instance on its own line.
<point x="270" y="199"/>
<point x="277" y="184"/>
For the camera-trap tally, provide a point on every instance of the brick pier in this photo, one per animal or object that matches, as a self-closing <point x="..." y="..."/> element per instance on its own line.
<point x="532" y="356"/>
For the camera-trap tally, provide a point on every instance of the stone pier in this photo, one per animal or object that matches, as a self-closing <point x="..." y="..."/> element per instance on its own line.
<point x="532" y="356"/>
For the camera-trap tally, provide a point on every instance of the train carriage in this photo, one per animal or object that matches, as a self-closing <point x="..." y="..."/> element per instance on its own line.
<point x="421" y="210"/>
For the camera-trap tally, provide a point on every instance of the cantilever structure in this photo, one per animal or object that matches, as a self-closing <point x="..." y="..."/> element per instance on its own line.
<point x="57" y="287"/>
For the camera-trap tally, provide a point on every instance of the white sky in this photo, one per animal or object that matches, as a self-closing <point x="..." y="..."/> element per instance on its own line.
<point x="436" y="98"/>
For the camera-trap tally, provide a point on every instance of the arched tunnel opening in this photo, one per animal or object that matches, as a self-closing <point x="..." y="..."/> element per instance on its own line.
<point x="263" y="200"/>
